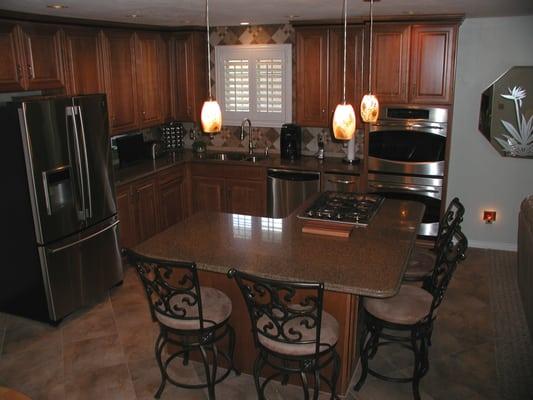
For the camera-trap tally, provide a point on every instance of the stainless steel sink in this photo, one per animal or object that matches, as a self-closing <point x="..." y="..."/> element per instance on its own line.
<point x="254" y="159"/>
<point x="224" y="156"/>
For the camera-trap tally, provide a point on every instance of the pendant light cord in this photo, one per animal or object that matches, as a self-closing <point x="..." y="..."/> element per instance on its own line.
<point x="370" y="56"/>
<point x="344" y="64"/>
<point x="208" y="49"/>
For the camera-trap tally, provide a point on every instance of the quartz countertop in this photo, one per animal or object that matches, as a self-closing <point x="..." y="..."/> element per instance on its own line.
<point x="149" y="167"/>
<point x="371" y="262"/>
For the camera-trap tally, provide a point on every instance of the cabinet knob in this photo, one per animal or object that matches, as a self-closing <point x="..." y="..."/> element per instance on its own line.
<point x="144" y="112"/>
<point x="30" y="71"/>
<point x="323" y="111"/>
<point x="19" y="72"/>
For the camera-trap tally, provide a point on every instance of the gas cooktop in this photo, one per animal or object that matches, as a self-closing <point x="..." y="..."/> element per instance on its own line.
<point x="346" y="208"/>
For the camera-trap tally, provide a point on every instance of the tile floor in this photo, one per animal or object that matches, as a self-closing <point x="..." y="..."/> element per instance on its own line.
<point x="107" y="352"/>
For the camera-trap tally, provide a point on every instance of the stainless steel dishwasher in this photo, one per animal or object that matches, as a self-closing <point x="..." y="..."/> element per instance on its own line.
<point x="288" y="189"/>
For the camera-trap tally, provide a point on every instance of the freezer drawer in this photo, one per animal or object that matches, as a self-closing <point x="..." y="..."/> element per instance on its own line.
<point x="79" y="270"/>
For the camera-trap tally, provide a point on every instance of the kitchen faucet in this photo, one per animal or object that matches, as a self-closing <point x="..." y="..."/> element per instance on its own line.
<point x="250" y="139"/>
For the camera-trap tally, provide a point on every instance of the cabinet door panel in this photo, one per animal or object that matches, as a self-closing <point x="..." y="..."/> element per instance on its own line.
<point x="432" y="62"/>
<point x="11" y="72"/>
<point x="312" y="77"/>
<point x="183" y="106"/>
<point x="390" y="63"/>
<point x="83" y="59"/>
<point x="245" y="197"/>
<point x="148" y="82"/>
<point x="126" y="215"/>
<point x="120" y="82"/>
<point x="146" y="204"/>
<point x="43" y="56"/>
<point x="172" y="201"/>
<point x="166" y="64"/>
<point x="354" y="68"/>
<point x="208" y="194"/>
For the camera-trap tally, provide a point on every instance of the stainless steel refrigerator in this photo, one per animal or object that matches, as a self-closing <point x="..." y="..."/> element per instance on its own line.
<point x="60" y="227"/>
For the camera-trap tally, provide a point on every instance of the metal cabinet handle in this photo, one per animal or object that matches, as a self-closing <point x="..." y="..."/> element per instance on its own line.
<point x="30" y="71"/>
<point x="19" y="72"/>
<point x="343" y="181"/>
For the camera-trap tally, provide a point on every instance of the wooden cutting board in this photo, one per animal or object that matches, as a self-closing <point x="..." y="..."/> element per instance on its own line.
<point x="327" y="228"/>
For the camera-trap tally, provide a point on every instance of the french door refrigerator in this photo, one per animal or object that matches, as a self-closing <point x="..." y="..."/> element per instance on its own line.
<point x="60" y="223"/>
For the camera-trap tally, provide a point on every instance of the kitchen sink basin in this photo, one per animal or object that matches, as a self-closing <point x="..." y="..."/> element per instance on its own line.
<point x="255" y="158"/>
<point x="224" y="156"/>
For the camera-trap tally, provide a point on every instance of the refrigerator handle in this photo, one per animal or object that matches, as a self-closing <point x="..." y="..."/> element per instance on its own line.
<point x="87" y="176"/>
<point x="61" y="248"/>
<point x="46" y="192"/>
<point x="71" y="112"/>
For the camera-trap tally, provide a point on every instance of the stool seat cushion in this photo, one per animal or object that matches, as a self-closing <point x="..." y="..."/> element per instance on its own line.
<point x="409" y="306"/>
<point x="421" y="263"/>
<point x="329" y="334"/>
<point x="216" y="308"/>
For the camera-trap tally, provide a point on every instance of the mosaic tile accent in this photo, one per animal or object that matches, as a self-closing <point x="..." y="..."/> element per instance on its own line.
<point x="229" y="138"/>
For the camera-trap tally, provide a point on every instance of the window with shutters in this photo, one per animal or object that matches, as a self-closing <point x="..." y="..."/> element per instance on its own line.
<point x="254" y="81"/>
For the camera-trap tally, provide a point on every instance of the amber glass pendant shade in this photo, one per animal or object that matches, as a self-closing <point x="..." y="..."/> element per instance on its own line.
<point x="344" y="122"/>
<point x="211" y="117"/>
<point x="369" y="108"/>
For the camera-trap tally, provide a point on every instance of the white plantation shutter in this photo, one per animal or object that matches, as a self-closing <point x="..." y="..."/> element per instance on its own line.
<point x="254" y="81"/>
<point x="269" y="85"/>
<point x="236" y="85"/>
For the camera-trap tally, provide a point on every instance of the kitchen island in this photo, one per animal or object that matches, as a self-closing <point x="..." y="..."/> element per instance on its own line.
<point x="371" y="262"/>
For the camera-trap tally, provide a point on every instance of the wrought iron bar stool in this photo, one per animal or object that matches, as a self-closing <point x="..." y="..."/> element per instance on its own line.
<point x="423" y="260"/>
<point x="408" y="317"/>
<point x="291" y="331"/>
<point x="191" y="317"/>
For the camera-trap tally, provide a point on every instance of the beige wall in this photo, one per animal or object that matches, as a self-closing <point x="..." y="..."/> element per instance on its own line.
<point x="478" y="175"/>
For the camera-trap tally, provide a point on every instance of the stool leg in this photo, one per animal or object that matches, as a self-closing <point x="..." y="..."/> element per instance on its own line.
<point x="231" y="332"/>
<point x="316" y="392"/>
<point x="210" y="381"/>
<point x="335" y="374"/>
<point x="285" y="378"/>
<point x="159" y="345"/>
<point x="258" y="366"/>
<point x="418" y="363"/>
<point x="305" y="385"/>
<point x="365" y="348"/>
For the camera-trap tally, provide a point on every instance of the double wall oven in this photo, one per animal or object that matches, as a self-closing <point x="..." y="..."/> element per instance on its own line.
<point x="406" y="158"/>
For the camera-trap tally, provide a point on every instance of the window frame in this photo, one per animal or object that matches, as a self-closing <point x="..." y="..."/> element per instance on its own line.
<point x="252" y="53"/>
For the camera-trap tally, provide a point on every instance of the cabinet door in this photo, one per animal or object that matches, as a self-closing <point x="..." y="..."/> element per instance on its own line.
<point x="182" y="107"/>
<point x="354" y="68"/>
<point x="208" y="194"/>
<point x="126" y="215"/>
<point x="83" y="61"/>
<point x="312" y="77"/>
<point x="42" y="46"/>
<point x="246" y="197"/>
<point x="432" y="64"/>
<point x="172" y="195"/>
<point x="147" y="49"/>
<point x="166" y="64"/>
<point x="11" y="62"/>
<point x="390" y="63"/>
<point x="146" y="207"/>
<point x="121" y="85"/>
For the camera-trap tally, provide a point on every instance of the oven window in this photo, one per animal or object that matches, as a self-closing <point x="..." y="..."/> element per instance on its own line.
<point x="432" y="213"/>
<point x="407" y="146"/>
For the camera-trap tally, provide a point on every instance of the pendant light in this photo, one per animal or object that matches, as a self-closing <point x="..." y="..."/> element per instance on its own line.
<point x="211" y="115"/>
<point x="370" y="104"/>
<point x="344" y="116"/>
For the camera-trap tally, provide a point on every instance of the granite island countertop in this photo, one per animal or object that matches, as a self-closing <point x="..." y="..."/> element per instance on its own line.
<point x="371" y="262"/>
<point x="310" y="163"/>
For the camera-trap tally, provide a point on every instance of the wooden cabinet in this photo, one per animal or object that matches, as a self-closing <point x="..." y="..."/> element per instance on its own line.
<point x="390" y="62"/>
<point x="413" y="63"/>
<point x="190" y="75"/>
<point x="166" y="65"/>
<point x="121" y="87"/>
<point x="172" y="197"/>
<point x="147" y="48"/>
<point x="312" y="77"/>
<point x="42" y="46"/>
<point x="234" y="189"/>
<point x="146" y="208"/>
<point x="319" y="72"/>
<point x="126" y="215"/>
<point x="83" y="61"/>
<point x="432" y="64"/>
<point x="11" y="74"/>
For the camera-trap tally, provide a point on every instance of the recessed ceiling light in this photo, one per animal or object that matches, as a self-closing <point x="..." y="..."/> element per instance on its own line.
<point x="57" y="6"/>
<point x="245" y="23"/>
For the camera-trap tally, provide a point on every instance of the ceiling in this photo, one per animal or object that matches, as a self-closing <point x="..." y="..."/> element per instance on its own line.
<point x="232" y="12"/>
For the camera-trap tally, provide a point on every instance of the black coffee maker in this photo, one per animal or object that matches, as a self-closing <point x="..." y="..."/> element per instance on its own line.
<point x="291" y="141"/>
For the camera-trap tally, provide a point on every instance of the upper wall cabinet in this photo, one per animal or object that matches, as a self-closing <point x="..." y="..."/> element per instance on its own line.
<point x="413" y="63"/>
<point x="121" y="85"/>
<point x="166" y="61"/>
<point x="319" y="72"/>
<point x="31" y="57"/>
<point x="190" y="75"/>
<point x="147" y="53"/>
<point x="83" y="61"/>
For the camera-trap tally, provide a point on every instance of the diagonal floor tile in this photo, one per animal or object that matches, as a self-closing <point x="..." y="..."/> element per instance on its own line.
<point x="23" y="335"/>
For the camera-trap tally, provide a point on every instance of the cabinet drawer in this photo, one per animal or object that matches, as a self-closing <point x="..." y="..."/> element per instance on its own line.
<point x="170" y="174"/>
<point x="210" y="170"/>
<point x="244" y="172"/>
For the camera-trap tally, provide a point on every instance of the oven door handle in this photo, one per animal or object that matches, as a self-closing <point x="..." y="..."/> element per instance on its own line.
<point x="403" y="187"/>
<point x="425" y="126"/>
<point x="342" y="181"/>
